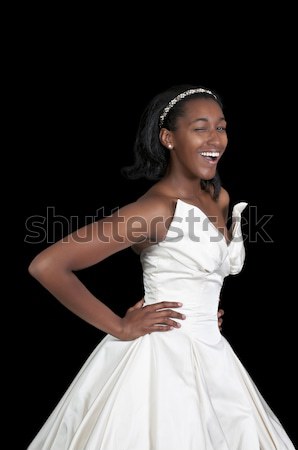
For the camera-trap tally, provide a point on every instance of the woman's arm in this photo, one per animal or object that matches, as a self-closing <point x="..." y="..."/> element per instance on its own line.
<point x="54" y="268"/>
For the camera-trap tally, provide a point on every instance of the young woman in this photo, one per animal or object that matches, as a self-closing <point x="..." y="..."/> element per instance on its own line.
<point x="163" y="377"/>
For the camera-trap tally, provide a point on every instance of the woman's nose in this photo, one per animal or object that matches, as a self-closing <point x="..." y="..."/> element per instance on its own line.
<point x="213" y="136"/>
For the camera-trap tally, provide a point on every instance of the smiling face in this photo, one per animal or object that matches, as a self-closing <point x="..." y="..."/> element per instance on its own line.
<point x="199" y="139"/>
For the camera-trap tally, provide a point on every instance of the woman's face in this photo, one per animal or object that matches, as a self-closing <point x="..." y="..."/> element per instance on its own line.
<point x="199" y="140"/>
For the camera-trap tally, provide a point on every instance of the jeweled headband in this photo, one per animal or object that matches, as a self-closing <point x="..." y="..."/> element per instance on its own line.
<point x="180" y="97"/>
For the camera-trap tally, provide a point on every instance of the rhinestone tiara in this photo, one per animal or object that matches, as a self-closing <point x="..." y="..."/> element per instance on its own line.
<point x="180" y="97"/>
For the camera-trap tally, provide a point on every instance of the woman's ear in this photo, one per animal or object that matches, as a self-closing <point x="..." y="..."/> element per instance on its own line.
<point x="165" y="137"/>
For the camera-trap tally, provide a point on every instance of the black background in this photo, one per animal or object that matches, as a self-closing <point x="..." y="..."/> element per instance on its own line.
<point x="80" y="101"/>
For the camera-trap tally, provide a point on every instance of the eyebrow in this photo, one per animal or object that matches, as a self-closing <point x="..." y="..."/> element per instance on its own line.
<point x="204" y="119"/>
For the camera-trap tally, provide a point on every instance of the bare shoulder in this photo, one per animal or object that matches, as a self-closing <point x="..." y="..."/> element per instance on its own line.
<point x="154" y="212"/>
<point x="224" y="198"/>
<point x="157" y="209"/>
<point x="155" y="203"/>
<point x="224" y="202"/>
<point x="151" y="208"/>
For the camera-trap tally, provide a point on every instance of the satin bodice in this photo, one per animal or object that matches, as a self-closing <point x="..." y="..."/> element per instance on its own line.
<point x="190" y="264"/>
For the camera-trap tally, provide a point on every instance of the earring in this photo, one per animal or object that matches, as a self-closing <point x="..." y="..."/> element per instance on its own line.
<point x="170" y="146"/>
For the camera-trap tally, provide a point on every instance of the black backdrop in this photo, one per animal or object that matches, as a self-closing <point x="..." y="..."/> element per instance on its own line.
<point x="78" y="127"/>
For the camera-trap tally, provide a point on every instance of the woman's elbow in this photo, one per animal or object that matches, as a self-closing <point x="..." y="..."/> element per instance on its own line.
<point x="39" y="266"/>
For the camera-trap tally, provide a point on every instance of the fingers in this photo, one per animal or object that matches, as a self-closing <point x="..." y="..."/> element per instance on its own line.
<point x="159" y="328"/>
<point x="160" y="316"/>
<point x="165" y="306"/>
<point x="140" y="320"/>
<point x="162" y="305"/>
<point x="155" y="306"/>
<point x="138" y="305"/>
<point x="168" y="313"/>
<point x="161" y="313"/>
<point x="167" y="318"/>
<point x="163" y="318"/>
<point x="220" y="313"/>
<point x="166" y="321"/>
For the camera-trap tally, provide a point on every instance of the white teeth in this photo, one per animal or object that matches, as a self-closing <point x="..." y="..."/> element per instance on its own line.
<point x="213" y="154"/>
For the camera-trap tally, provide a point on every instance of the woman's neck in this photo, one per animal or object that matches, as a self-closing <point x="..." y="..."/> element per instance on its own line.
<point x="183" y="188"/>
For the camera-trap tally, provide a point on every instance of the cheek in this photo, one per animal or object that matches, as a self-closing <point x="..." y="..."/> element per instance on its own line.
<point x="225" y="140"/>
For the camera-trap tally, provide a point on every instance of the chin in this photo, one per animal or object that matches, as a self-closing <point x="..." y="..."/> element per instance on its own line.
<point x="208" y="176"/>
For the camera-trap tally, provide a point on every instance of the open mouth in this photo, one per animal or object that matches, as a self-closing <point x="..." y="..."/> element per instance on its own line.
<point x="211" y="157"/>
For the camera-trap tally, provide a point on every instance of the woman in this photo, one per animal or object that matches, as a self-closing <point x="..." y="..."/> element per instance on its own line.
<point x="164" y="377"/>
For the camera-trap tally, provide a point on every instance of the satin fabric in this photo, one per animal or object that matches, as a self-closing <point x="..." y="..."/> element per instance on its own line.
<point x="180" y="390"/>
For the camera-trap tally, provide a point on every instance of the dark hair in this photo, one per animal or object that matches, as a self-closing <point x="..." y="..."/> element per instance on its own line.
<point x="151" y="157"/>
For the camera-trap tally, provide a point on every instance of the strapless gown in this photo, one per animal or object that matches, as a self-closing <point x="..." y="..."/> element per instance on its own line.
<point x="184" y="389"/>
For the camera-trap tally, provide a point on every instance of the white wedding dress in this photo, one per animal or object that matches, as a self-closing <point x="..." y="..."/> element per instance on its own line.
<point x="183" y="389"/>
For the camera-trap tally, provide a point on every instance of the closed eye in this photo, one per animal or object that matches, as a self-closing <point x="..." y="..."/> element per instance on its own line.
<point x="221" y="129"/>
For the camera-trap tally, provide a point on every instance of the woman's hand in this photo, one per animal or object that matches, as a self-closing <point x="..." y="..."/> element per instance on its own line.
<point x="140" y="320"/>
<point x="220" y="314"/>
